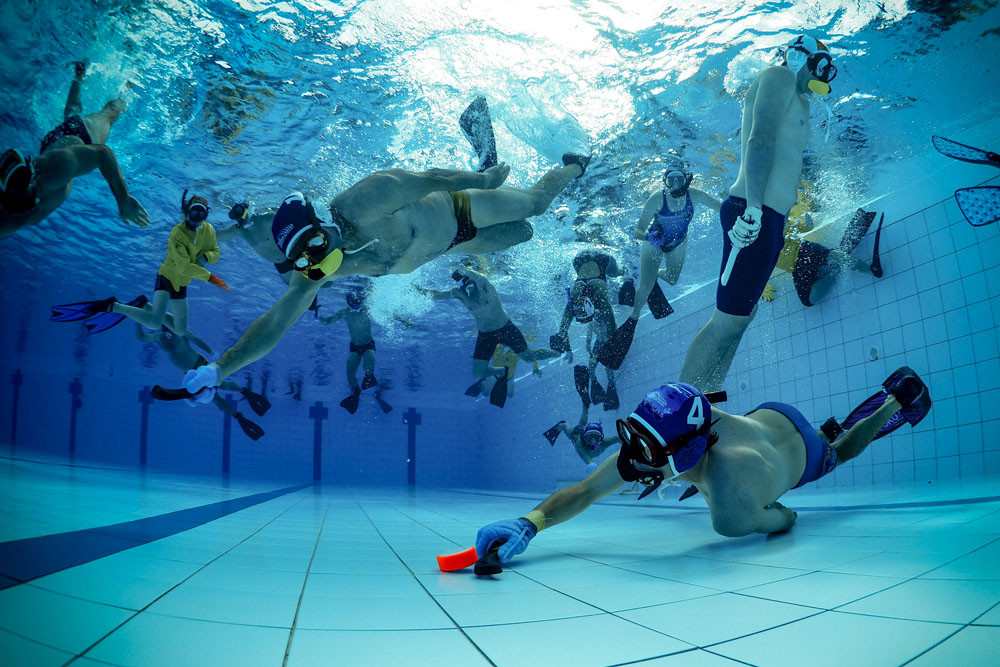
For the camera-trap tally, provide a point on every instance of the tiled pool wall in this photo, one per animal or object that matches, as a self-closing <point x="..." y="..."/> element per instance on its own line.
<point x="935" y="310"/>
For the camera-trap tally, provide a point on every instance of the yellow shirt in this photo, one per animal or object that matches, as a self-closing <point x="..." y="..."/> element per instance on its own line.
<point x="184" y="248"/>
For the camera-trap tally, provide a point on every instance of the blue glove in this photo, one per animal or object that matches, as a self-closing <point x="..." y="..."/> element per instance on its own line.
<point x="591" y="467"/>
<point x="201" y="382"/>
<point x="514" y="533"/>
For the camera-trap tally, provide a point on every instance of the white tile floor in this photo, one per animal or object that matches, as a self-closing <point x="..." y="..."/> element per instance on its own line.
<point x="339" y="577"/>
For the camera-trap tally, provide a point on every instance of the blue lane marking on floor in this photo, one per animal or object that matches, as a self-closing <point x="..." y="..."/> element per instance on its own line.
<point x="33" y="557"/>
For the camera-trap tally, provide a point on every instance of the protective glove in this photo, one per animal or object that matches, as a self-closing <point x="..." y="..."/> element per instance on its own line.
<point x="201" y="383"/>
<point x="768" y="294"/>
<point x="591" y="467"/>
<point x="746" y="229"/>
<point x="514" y="533"/>
<point x="218" y="282"/>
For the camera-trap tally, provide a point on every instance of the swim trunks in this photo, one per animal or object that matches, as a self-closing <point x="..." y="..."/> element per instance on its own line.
<point x="821" y="458"/>
<point x="463" y="214"/>
<point x="508" y="334"/>
<point x="361" y="349"/>
<point x="755" y="262"/>
<point x="73" y="126"/>
<point x="602" y="259"/>
<point x="163" y="284"/>
<point x="669" y="228"/>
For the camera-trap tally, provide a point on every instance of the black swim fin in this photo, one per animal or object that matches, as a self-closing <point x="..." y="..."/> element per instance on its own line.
<point x="613" y="352"/>
<point x="596" y="391"/>
<point x="980" y="205"/>
<point x="385" y="407"/>
<point x="626" y="293"/>
<point x="81" y="310"/>
<point x="498" y="395"/>
<point x="611" y="397"/>
<point x="368" y="381"/>
<point x="876" y="266"/>
<point x="105" y="321"/>
<point x="965" y="153"/>
<point x="478" y="129"/>
<point x="475" y="389"/>
<point x="856" y="230"/>
<point x="253" y="431"/>
<point x="688" y="492"/>
<point x="658" y="304"/>
<point x="553" y="433"/>
<point x="258" y="402"/>
<point x="351" y="402"/>
<point x="811" y="259"/>
<point x="581" y="379"/>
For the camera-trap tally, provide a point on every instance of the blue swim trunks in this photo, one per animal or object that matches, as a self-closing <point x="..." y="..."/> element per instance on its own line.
<point x="755" y="262"/>
<point x="821" y="458"/>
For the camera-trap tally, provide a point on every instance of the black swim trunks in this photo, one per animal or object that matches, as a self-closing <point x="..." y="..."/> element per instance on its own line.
<point x="71" y="127"/>
<point x="163" y="284"/>
<point x="361" y="349"/>
<point x="508" y="334"/>
<point x="463" y="213"/>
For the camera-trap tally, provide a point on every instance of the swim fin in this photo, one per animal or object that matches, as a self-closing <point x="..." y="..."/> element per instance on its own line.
<point x="965" y="153"/>
<point x="478" y="129"/>
<point x="596" y="391"/>
<point x="908" y="389"/>
<point x="368" y="381"/>
<point x="385" y="407"/>
<point x="314" y="307"/>
<point x="475" y="389"/>
<point x="553" y="433"/>
<point x="613" y="352"/>
<point x="81" y="310"/>
<point x="658" y="304"/>
<point x="981" y="205"/>
<point x="351" y="402"/>
<point x="498" y="395"/>
<point x="611" y="397"/>
<point x="581" y="378"/>
<point x="253" y="431"/>
<point x="688" y="492"/>
<point x="856" y="230"/>
<point x="876" y="265"/>
<point x="811" y="259"/>
<point x="105" y="321"/>
<point x="258" y="402"/>
<point x="626" y="293"/>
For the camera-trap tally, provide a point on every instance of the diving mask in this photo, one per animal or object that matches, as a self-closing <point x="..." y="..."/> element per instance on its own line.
<point x="677" y="182"/>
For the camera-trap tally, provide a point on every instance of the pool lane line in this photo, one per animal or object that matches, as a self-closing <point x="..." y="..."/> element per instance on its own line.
<point x="33" y="557"/>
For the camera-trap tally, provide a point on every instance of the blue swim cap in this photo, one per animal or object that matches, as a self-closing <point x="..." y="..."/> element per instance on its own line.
<point x="679" y="417"/>
<point x="354" y="300"/>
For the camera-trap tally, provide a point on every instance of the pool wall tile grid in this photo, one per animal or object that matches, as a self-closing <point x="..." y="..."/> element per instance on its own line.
<point x="354" y="573"/>
<point x="936" y="309"/>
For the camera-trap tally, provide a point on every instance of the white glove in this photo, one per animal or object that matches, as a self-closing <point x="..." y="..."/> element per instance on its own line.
<point x="591" y="467"/>
<point x="746" y="229"/>
<point x="201" y="382"/>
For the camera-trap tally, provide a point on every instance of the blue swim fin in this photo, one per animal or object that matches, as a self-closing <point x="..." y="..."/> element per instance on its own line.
<point x="81" y="310"/>
<point x="105" y="321"/>
<point x="981" y="205"/>
<point x="478" y="129"/>
<point x="965" y="153"/>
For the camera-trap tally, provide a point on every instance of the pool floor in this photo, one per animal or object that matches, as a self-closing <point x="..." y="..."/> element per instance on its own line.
<point x="129" y="568"/>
